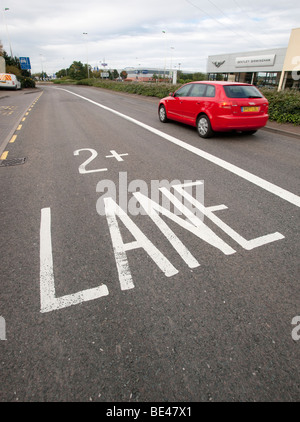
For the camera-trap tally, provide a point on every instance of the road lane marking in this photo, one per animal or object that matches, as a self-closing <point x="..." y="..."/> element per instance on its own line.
<point x="4" y="155"/>
<point x="115" y="155"/>
<point x="209" y="212"/>
<point x="13" y="139"/>
<point x="49" y="302"/>
<point x="113" y="211"/>
<point x="82" y="167"/>
<point x="252" y="178"/>
<point x="19" y="127"/>
<point x="191" y="223"/>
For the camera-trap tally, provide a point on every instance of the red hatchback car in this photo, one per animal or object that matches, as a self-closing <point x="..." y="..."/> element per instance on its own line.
<point x="213" y="106"/>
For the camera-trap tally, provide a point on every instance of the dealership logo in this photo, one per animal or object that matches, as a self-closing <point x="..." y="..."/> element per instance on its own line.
<point x="218" y="64"/>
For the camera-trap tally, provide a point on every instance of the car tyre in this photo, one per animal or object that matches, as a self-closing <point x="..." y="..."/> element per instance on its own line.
<point x="162" y="114"/>
<point x="204" y="127"/>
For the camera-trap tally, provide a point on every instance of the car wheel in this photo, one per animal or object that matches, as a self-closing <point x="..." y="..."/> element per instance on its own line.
<point x="204" y="127"/>
<point x="162" y="114"/>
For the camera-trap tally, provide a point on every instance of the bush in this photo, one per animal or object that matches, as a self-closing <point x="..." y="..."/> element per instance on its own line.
<point x="64" y="80"/>
<point x="26" y="82"/>
<point x="284" y="106"/>
<point x="149" y="89"/>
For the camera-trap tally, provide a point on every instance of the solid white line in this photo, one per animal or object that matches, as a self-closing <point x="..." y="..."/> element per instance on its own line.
<point x="264" y="184"/>
<point x="47" y="288"/>
<point x="49" y="302"/>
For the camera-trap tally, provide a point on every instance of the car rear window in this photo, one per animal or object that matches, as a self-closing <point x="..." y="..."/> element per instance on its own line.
<point x="242" y="91"/>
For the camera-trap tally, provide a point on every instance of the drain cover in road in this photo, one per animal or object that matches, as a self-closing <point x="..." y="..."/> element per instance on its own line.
<point x="12" y="162"/>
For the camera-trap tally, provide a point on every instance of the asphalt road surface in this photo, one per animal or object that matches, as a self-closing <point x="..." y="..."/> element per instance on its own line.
<point x="110" y="292"/>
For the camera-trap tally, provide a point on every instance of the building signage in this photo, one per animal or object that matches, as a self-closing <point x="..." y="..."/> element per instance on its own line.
<point x="254" y="61"/>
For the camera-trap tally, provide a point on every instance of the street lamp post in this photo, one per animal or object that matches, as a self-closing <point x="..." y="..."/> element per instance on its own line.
<point x="171" y="75"/>
<point x="42" y="66"/>
<point x="11" y="53"/>
<point x="87" y="56"/>
<point x="164" y="32"/>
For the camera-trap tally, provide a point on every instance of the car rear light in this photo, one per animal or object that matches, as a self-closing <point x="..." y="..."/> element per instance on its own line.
<point x="225" y="104"/>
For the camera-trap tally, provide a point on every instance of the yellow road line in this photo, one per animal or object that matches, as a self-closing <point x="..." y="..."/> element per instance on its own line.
<point x="4" y="155"/>
<point x="13" y="139"/>
<point x="19" y="127"/>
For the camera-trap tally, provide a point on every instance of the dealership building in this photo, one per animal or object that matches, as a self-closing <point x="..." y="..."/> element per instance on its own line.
<point x="146" y="75"/>
<point x="277" y="67"/>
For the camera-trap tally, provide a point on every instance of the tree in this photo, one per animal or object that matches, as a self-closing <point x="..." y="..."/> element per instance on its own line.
<point x="77" y="71"/>
<point x="199" y="76"/>
<point x="123" y="74"/>
<point x="115" y="74"/>
<point x="61" y="73"/>
<point x="11" y="61"/>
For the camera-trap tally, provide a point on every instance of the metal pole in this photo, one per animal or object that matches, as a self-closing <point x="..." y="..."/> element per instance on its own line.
<point x="87" y="56"/>
<point x="11" y="53"/>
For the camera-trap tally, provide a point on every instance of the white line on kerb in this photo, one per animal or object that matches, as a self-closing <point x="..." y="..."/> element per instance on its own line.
<point x="264" y="184"/>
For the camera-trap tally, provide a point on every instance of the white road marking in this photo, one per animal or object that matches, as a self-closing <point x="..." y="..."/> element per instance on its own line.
<point x="264" y="184"/>
<point x="82" y="167"/>
<point x="209" y="212"/>
<point x="115" y="155"/>
<point x="47" y="286"/>
<point x="113" y="210"/>
<point x="194" y="225"/>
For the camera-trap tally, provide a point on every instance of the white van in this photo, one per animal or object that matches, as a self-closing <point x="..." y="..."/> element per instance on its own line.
<point x="9" y="81"/>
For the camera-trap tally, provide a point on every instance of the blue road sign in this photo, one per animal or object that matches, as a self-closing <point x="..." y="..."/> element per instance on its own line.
<point x="25" y="63"/>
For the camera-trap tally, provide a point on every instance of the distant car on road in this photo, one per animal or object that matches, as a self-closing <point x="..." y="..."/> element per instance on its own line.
<point x="214" y="106"/>
<point x="9" y="81"/>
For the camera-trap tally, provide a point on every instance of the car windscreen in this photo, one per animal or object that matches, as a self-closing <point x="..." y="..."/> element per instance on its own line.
<point x="242" y="91"/>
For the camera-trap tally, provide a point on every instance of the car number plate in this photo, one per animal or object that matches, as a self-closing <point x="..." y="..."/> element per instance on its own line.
<point x="250" y="108"/>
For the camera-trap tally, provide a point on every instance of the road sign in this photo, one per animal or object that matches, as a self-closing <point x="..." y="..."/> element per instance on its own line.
<point x="25" y="63"/>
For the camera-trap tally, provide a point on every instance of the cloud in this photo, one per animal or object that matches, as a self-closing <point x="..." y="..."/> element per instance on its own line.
<point x="129" y="33"/>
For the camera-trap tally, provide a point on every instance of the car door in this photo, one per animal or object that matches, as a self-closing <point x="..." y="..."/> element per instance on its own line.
<point x="191" y="104"/>
<point x="175" y="105"/>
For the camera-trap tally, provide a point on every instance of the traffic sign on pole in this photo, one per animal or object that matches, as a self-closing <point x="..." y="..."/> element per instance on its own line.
<point x="25" y="63"/>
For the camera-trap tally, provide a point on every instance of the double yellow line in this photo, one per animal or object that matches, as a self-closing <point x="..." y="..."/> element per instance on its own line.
<point x="14" y="137"/>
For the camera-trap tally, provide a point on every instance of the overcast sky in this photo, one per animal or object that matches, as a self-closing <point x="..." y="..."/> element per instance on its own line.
<point x="129" y="33"/>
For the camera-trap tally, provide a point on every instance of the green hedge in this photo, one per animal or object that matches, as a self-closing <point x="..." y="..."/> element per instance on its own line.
<point x="26" y="82"/>
<point x="149" y="89"/>
<point x="284" y="106"/>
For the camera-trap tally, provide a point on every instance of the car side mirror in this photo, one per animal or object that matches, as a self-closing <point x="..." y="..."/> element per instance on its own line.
<point x="171" y="94"/>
